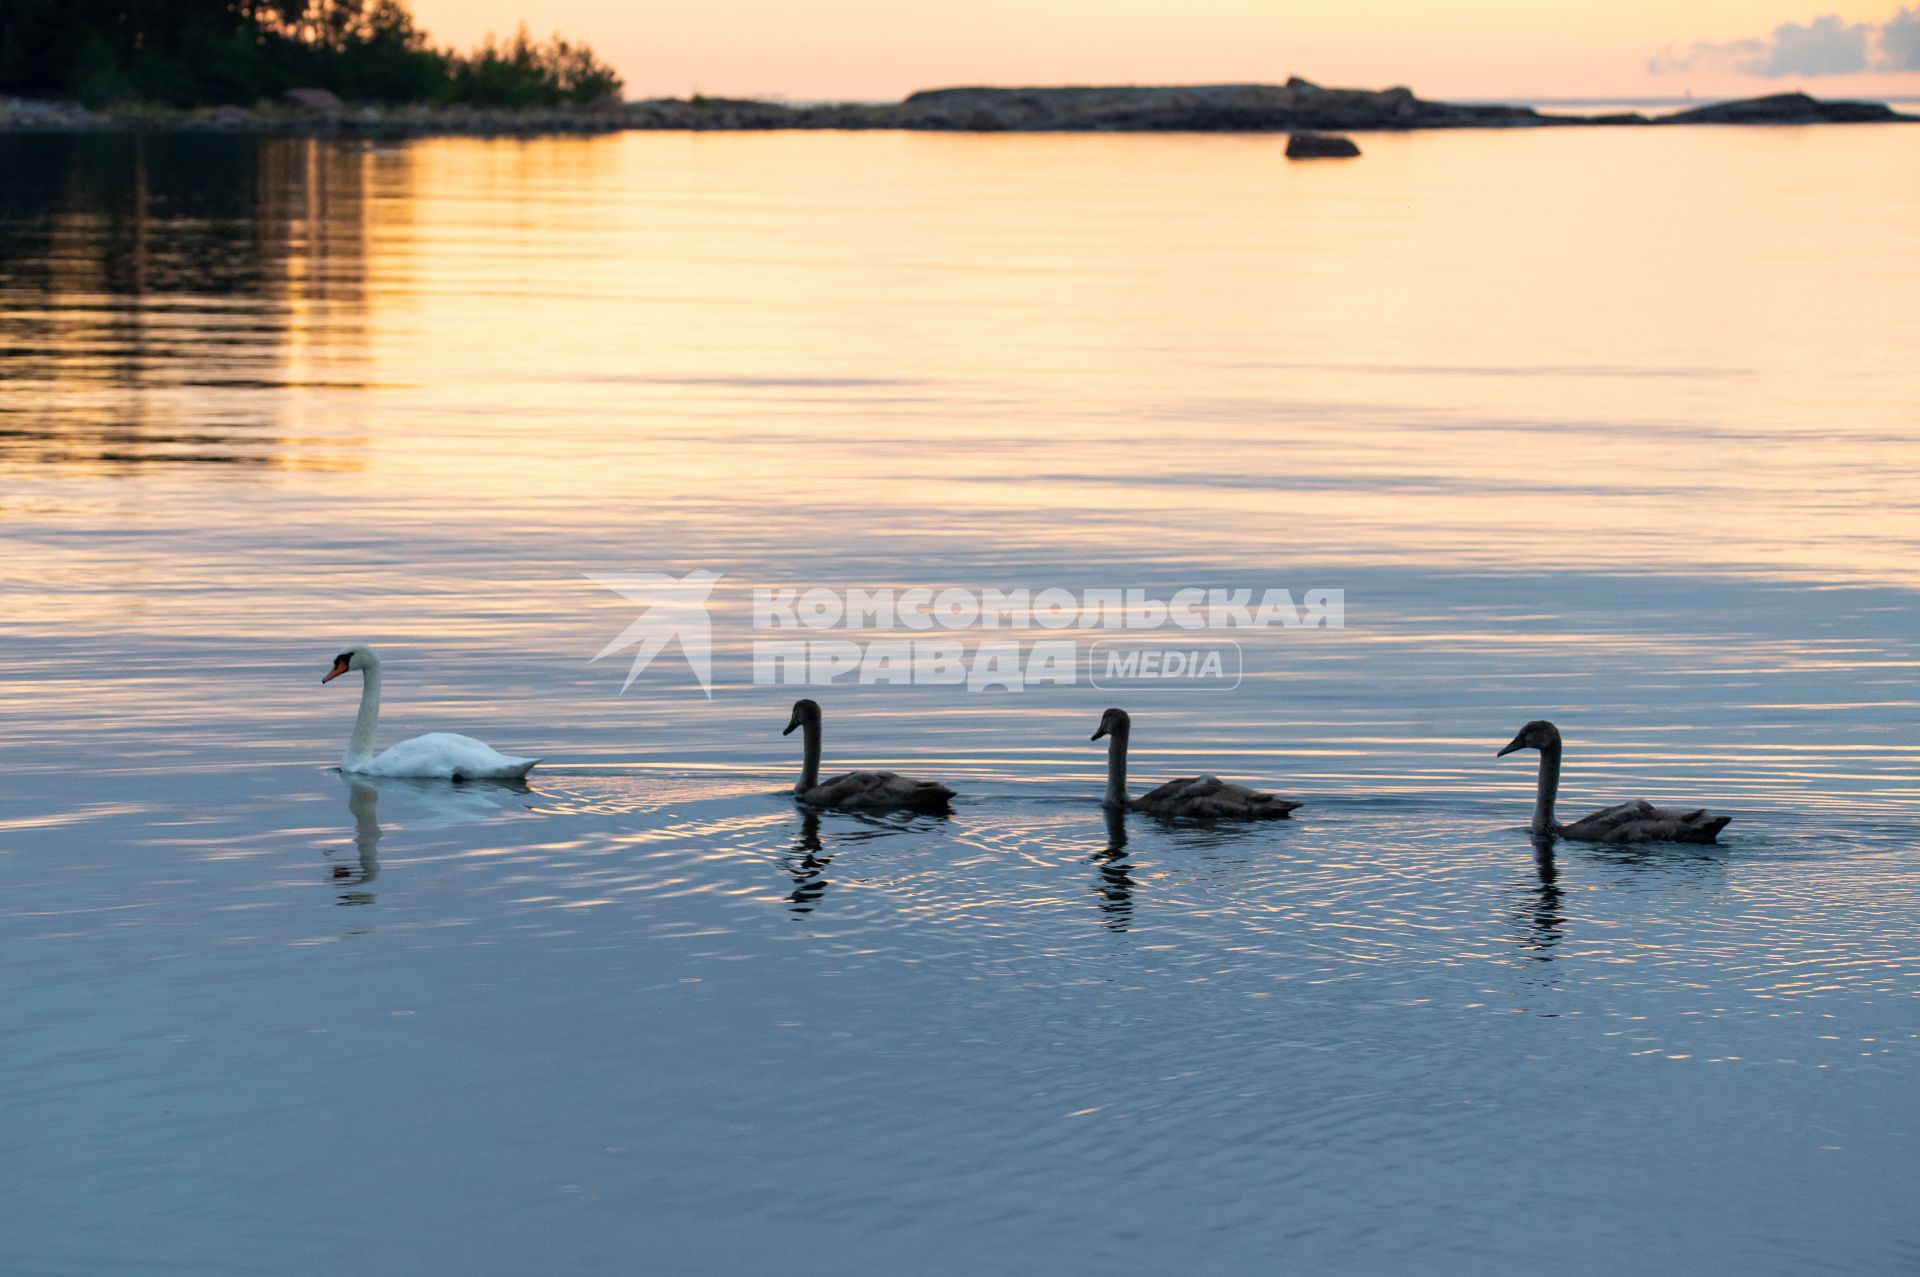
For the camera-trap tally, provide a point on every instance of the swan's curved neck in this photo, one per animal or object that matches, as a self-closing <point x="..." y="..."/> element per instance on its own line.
<point x="1116" y="768"/>
<point x="1543" y="821"/>
<point x="366" y="728"/>
<point x="810" y="764"/>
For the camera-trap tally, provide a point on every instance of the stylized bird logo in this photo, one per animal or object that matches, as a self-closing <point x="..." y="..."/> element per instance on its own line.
<point x="676" y="610"/>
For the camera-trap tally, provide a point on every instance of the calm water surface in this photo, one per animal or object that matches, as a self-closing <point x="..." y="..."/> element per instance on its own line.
<point x="1613" y="427"/>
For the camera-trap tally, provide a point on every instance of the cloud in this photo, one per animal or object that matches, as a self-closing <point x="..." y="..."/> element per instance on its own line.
<point x="1825" y="46"/>
<point x="1900" y="42"/>
<point x="1705" y="56"/>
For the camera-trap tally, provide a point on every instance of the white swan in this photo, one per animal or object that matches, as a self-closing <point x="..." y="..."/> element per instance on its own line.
<point x="872" y="791"/>
<point x="436" y="756"/>
<point x="1636" y="821"/>
<point x="1196" y="797"/>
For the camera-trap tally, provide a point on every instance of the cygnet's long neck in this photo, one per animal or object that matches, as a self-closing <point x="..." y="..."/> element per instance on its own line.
<point x="1543" y="821"/>
<point x="810" y="764"/>
<point x="366" y="728"/>
<point x="1117" y="768"/>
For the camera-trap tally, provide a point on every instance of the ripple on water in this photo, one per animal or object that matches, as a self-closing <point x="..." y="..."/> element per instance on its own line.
<point x="264" y="1019"/>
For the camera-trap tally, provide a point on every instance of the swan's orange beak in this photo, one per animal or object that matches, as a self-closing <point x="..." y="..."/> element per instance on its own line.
<point x="339" y="668"/>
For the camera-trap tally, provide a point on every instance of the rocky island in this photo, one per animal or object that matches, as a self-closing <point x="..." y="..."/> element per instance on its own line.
<point x="1298" y="106"/>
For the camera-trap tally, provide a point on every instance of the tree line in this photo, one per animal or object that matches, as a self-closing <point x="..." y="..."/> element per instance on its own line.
<point x="188" y="53"/>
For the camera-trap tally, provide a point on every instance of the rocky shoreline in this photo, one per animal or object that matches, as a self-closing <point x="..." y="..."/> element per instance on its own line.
<point x="1298" y="105"/>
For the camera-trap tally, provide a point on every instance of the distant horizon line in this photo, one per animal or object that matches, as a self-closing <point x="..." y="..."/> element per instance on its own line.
<point x="1519" y="99"/>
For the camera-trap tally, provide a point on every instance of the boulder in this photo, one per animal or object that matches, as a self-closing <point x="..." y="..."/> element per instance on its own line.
<point x="1398" y="102"/>
<point x="315" y="101"/>
<point x="31" y="113"/>
<point x="1320" y="146"/>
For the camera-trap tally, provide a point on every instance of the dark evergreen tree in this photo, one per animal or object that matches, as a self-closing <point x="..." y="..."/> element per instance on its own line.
<point x="202" y="52"/>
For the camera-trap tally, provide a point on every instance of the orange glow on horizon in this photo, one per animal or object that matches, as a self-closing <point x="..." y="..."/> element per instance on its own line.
<point x="1332" y="338"/>
<point x="883" y="49"/>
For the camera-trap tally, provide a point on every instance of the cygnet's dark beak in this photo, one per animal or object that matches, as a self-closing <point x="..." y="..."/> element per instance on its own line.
<point x="791" y="724"/>
<point x="1518" y="742"/>
<point x="1102" y="732"/>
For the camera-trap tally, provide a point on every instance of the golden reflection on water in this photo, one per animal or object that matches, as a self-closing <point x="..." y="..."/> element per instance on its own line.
<point x="259" y="398"/>
<point x="162" y="296"/>
<point x="1620" y="348"/>
<point x="265" y="395"/>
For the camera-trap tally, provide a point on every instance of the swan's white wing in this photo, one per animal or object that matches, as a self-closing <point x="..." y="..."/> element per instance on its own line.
<point x="445" y="756"/>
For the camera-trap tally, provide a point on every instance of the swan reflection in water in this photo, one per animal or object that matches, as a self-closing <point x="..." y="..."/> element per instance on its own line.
<point x="806" y="863"/>
<point x="427" y="804"/>
<point x="806" y="866"/>
<point x="1542" y="914"/>
<point x="363" y="800"/>
<point x="1542" y="910"/>
<point x="1115" y="887"/>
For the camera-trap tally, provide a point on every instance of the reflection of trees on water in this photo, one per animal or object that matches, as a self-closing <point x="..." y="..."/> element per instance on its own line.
<point x="159" y="294"/>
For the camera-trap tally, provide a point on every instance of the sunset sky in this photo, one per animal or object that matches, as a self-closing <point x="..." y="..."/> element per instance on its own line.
<point x="886" y="48"/>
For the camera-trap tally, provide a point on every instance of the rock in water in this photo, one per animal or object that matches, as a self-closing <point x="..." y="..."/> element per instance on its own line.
<point x="315" y="101"/>
<point x="1320" y="146"/>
